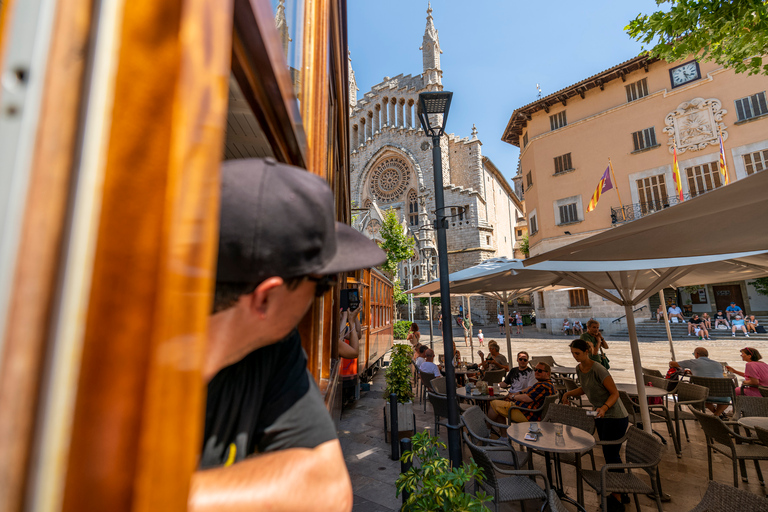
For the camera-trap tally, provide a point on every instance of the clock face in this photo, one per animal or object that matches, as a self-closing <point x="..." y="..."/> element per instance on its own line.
<point x="684" y="74"/>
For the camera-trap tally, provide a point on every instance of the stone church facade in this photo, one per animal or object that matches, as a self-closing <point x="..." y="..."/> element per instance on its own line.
<point x="391" y="167"/>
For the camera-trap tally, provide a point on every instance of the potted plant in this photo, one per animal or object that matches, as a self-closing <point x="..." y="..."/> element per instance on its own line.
<point x="398" y="381"/>
<point x="434" y="484"/>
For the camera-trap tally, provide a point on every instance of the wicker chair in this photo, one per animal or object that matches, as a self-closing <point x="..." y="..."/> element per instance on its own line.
<point x="570" y="385"/>
<point x="763" y="391"/>
<point x="574" y="417"/>
<point x="721" y="389"/>
<point x="543" y="359"/>
<point x="426" y="387"/>
<point x="654" y="373"/>
<point x="513" y="486"/>
<point x="692" y="396"/>
<point x="746" y="406"/>
<point x="494" y="376"/>
<point x="658" y="414"/>
<point x="717" y="433"/>
<point x="440" y="407"/>
<point x="542" y="411"/>
<point x="480" y="428"/>
<point x="643" y="452"/>
<point x="438" y="385"/>
<point x="725" y="498"/>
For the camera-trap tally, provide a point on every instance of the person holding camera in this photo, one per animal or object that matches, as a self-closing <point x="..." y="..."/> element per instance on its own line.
<point x="351" y="331"/>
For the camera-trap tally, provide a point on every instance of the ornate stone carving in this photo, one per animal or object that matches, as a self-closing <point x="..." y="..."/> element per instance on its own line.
<point x="694" y="125"/>
<point x="390" y="179"/>
<point x="373" y="227"/>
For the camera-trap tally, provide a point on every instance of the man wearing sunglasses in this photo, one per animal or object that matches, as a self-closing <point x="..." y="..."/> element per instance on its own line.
<point x="523" y="404"/>
<point x="267" y="432"/>
<point x="519" y="378"/>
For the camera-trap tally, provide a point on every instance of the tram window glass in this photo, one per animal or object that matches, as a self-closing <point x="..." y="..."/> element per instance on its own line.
<point x="289" y="22"/>
<point x="245" y="137"/>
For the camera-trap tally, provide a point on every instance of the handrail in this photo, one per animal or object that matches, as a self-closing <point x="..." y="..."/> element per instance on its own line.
<point x="635" y="311"/>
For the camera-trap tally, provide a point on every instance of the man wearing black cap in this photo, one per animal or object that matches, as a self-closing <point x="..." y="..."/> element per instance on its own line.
<point x="267" y="433"/>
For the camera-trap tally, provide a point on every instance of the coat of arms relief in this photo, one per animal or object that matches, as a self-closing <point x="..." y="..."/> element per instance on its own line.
<point x="694" y="125"/>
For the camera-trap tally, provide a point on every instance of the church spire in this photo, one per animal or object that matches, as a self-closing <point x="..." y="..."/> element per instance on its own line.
<point x="281" y="24"/>
<point x="352" y="83"/>
<point x="430" y="50"/>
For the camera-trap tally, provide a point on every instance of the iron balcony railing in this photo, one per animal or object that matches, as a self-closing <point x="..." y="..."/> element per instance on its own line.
<point x="631" y="212"/>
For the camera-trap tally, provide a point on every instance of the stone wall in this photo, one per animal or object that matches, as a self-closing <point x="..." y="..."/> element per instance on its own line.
<point x="557" y="307"/>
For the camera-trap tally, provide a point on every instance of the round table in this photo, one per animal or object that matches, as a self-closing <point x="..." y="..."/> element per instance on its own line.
<point x="754" y="421"/>
<point x="564" y="370"/>
<point x="631" y="390"/>
<point x="574" y="440"/>
<point x="462" y="393"/>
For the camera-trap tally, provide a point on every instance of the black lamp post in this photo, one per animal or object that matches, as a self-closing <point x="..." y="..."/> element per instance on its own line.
<point x="436" y="106"/>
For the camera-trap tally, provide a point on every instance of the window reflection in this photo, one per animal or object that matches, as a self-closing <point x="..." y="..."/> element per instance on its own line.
<point x="289" y="22"/>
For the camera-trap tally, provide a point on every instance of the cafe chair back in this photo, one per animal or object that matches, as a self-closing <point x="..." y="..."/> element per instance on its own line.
<point x="660" y="382"/>
<point x="689" y="397"/>
<point x="507" y="485"/>
<point x="746" y="406"/>
<point x="643" y="452"/>
<point x="494" y="376"/>
<point x="725" y="498"/>
<point x="570" y="385"/>
<point x="480" y="429"/>
<point x="440" y="407"/>
<point x="543" y="359"/>
<point x="542" y="411"/>
<point x="722" y="439"/>
<point x="426" y="386"/>
<point x="763" y="390"/>
<point x="438" y="385"/>
<point x="652" y="372"/>
<point x="573" y="417"/>
<point x="721" y="389"/>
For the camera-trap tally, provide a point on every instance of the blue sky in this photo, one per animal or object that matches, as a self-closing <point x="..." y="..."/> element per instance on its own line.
<point x="494" y="53"/>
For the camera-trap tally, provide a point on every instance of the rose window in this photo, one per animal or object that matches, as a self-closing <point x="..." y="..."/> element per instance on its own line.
<point x="390" y="179"/>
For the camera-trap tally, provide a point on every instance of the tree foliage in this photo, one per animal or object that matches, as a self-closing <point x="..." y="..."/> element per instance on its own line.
<point x="397" y="244"/>
<point x="400" y="296"/>
<point x="398" y="376"/>
<point x="524" y="246"/>
<point x="731" y="33"/>
<point x="761" y="285"/>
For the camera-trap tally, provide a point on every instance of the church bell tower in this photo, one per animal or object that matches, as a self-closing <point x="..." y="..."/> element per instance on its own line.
<point x="430" y="49"/>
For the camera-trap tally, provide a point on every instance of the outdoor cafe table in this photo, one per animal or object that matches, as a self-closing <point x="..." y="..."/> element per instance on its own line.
<point x="650" y="392"/>
<point x="564" y="370"/>
<point x="754" y="421"/>
<point x="482" y="400"/>
<point x="574" y="441"/>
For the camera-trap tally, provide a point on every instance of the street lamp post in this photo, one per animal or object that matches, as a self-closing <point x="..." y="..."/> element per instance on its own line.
<point x="426" y="257"/>
<point x="437" y="104"/>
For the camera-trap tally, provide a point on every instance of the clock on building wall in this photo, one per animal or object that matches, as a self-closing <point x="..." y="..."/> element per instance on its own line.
<point x="684" y="73"/>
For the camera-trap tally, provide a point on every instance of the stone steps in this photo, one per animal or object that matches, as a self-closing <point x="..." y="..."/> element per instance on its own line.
<point x="651" y="329"/>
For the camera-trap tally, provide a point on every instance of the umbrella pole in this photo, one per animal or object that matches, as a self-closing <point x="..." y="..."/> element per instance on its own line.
<point x="507" y="322"/>
<point x="638" y="367"/>
<point x="429" y="316"/>
<point x="666" y="324"/>
<point x="469" y="316"/>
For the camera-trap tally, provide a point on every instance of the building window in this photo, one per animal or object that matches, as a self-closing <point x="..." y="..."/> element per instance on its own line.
<point x="413" y="208"/>
<point x="525" y="139"/>
<point x="579" y="298"/>
<point x="488" y="240"/>
<point x="519" y="232"/>
<point x="563" y="163"/>
<point x="568" y="213"/>
<point x="751" y="106"/>
<point x="756" y="162"/>
<point x="653" y="194"/>
<point x="528" y="180"/>
<point x="644" y="138"/>
<point x="637" y="90"/>
<point x="703" y="178"/>
<point x="557" y="121"/>
<point x="534" y="225"/>
<point x="540" y="300"/>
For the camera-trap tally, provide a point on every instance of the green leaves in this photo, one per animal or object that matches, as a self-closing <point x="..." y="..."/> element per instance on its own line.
<point x="401" y="329"/>
<point x="398" y="376"/>
<point x="733" y="34"/>
<point x="761" y="285"/>
<point x="397" y="244"/>
<point x="434" y="485"/>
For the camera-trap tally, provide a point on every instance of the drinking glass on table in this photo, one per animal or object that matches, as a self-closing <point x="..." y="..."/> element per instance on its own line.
<point x="558" y="430"/>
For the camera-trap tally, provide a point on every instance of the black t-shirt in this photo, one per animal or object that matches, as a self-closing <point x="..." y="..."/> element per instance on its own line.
<point x="515" y="375"/>
<point x="719" y="317"/>
<point x="696" y="321"/>
<point x="265" y="402"/>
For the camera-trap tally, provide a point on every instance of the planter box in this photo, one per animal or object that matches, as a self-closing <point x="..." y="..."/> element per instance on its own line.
<point x="405" y="419"/>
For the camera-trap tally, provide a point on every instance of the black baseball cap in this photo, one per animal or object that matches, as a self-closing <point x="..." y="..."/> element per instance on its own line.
<point x="279" y="220"/>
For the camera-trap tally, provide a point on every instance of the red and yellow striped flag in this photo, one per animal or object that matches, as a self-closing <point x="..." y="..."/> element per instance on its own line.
<point x="723" y="167"/>
<point x="676" y="175"/>
<point x="603" y="185"/>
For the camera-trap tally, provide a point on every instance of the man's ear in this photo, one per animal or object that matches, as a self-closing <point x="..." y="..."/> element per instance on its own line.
<point x="264" y="294"/>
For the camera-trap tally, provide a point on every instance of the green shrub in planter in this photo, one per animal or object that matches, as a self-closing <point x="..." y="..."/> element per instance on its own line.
<point x="401" y="329"/>
<point x="434" y="485"/>
<point x="398" y="375"/>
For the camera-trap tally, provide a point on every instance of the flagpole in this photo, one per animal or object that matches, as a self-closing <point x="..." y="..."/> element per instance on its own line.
<point x="623" y="213"/>
<point x="724" y="164"/>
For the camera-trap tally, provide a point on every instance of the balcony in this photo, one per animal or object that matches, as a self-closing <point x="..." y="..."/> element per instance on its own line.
<point x="635" y="211"/>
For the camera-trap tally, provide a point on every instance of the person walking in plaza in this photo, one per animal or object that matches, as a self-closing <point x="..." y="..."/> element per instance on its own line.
<point x="755" y="374"/>
<point x="521" y="377"/>
<point x="612" y="419"/>
<point x="675" y="312"/>
<point x="467" y="325"/>
<point x="518" y="323"/>
<point x="480" y="337"/>
<point x="737" y="323"/>
<point x="527" y="400"/>
<point x="596" y="342"/>
<point x="500" y="319"/>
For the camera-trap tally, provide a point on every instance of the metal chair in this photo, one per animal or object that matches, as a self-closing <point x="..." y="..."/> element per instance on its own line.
<point x="746" y="406"/>
<point x="494" y="376"/>
<point x="541" y="411"/>
<point x="717" y="433"/>
<point x="570" y="385"/>
<point x="514" y="485"/>
<point x="692" y="396"/>
<point x="480" y="428"/>
<point x="426" y="386"/>
<point x="438" y="385"/>
<point x="654" y="373"/>
<point x="763" y="391"/>
<point x="543" y="359"/>
<point x="725" y="498"/>
<point x="721" y="389"/>
<point x="643" y="451"/>
<point x="574" y="417"/>
<point x="440" y="407"/>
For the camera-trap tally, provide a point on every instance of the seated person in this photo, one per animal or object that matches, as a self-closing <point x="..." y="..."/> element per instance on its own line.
<point x="675" y="312"/>
<point x="752" y="324"/>
<point x="566" y="327"/>
<point x="707" y="321"/>
<point x="720" y="319"/>
<point x="528" y="400"/>
<point x="696" y="323"/>
<point x="420" y="359"/>
<point x="349" y="340"/>
<point x="519" y="378"/>
<point x="494" y="361"/>
<point x="578" y="329"/>
<point x="660" y="313"/>
<point x="732" y="310"/>
<point x="703" y="366"/>
<point x="737" y="323"/>
<point x="429" y="366"/>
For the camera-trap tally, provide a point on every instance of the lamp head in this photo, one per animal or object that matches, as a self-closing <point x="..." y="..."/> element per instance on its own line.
<point x="431" y="104"/>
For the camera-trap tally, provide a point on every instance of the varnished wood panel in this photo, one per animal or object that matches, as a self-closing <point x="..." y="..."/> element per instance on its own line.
<point x="138" y="413"/>
<point x="37" y="271"/>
